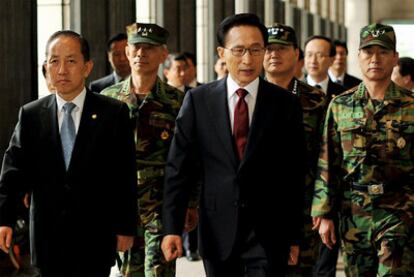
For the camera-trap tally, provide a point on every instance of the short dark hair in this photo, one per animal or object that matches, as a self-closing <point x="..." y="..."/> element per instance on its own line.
<point x="301" y="56"/>
<point x="332" y="50"/>
<point x="406" y="67"/>
<point x="44" y="69"/>
<point x="191" y="56"/>
<point x="240" y="19"/>
<point x="342" y="44"/>
<point x="117" y="37"/>
<point x="174" y="57"/>
<point x="84" y="45"/>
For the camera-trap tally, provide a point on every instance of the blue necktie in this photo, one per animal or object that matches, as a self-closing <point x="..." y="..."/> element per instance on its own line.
<point x="68" y="132"/>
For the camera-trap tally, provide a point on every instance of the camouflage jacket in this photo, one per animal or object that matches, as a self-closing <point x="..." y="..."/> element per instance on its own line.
<point x="314" y="104"/>
<point x="365" y="142"/>
<point x="154" y="122"/>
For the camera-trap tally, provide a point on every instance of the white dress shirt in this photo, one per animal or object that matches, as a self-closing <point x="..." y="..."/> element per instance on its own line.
<point x="323" y="84"/>
<point x="77" y="111"/>
<point x="250" y="98"/>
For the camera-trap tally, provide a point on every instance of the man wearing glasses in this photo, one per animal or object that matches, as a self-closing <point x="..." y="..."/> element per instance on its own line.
<point x="319" y="56"/>
<point x="225" y="132"/>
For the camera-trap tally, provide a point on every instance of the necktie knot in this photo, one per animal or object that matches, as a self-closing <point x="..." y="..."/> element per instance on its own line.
<point x="338" y="81"/>
<point x="68" y="107"/>
<point x="241" y="93"/>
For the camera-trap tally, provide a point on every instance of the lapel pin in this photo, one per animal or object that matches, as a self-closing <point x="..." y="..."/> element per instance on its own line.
<point x="94" y="116"/>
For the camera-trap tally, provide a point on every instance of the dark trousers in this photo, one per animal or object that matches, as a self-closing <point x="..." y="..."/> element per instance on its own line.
<point x="193" y="240"/>
<point x="248" y="257"/>
<point x="249" y="260"/>
<point x="326" y="264"/>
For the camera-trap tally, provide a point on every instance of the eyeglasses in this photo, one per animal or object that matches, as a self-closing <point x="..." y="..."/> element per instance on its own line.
<point x="240" y="51"/>
<point x="318" y="55"/>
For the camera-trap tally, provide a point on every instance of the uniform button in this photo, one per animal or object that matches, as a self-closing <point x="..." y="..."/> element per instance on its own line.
<point x="236" y="203"/>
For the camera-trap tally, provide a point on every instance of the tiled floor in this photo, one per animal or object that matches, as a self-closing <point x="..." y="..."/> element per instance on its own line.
<point x="195" y="269"/>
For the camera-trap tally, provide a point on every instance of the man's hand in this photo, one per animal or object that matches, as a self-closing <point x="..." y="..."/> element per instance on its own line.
<point x="191" y="219"/>
<point x="171" y="247"/>
<point x="327" y="232"/>
<point x="124" y="242"/>
<point x="293" y="255"/>
<point x="5" y="238"/>
<point x="316" y="221"/>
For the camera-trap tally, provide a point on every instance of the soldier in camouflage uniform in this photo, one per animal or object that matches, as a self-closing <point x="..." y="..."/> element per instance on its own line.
<point x="367" y="166"/>
<point x="280" y="59"/>
<point x="153" y="106"/>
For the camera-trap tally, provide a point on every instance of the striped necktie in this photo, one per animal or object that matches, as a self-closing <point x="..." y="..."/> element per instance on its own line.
<point x="67" y="132"/>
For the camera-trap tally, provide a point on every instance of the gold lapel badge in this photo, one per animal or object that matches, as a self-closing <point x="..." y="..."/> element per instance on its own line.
<point x="94" y="116"/>
<point x="401" y="143"/>
<point x="165" y="135"/>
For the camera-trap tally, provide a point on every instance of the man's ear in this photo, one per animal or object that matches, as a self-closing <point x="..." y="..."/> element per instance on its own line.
<point x="220" y="52"/>
<point x="88" y="68"/>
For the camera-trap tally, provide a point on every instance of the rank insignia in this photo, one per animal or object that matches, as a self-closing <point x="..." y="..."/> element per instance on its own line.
<point x="401" y="143"/>
<point x="165" y="135"/>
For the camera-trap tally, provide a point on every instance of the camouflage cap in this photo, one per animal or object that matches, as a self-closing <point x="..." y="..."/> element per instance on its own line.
<point x="282" y="34"/>
<point x="146" y="33"/>
<point x="377" y="34"/>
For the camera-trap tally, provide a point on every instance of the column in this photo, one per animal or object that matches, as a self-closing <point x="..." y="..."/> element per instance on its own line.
<point x="356" y="16"/>
<point x="18" y="55"/>
<point x="205" y="40"/>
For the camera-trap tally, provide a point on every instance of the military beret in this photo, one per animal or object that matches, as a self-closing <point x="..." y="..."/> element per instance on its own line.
<point x="282" y="34"/>
<point x="377" y="34"/>
<point x="146" y="33"/>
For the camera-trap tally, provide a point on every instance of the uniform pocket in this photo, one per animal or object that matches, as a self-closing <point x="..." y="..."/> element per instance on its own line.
<point x="353" y="138"/>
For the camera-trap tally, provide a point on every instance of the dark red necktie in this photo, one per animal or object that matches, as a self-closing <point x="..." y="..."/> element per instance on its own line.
<point x="241" y="123"/>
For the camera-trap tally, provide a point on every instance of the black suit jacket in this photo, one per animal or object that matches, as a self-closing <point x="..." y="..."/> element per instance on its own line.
<point x="254" y="188"/>
<point x="102" y="83"/>
<point x="75" y="214"/>
<point x="350" y="81"/>
<point x="334" y="89"/>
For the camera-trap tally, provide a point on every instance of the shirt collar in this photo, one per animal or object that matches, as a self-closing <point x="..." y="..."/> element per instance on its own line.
<point x="323" y="84"/>
<point x="232" y="86"/>
<point x="78" y="100"/>
<point x="334" y="78"/>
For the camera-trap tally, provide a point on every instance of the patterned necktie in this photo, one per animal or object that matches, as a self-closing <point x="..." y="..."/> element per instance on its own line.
<point x="67" y="132"/>
<point x="241" y="123"/>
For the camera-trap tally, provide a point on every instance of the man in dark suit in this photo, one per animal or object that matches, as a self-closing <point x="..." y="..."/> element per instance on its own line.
<point x="118" y="61"/>
<point x="319" y="55"/>
<point x="230" y="128"/>
<point x="74" y="152"/>
<point x="337" y="71"/>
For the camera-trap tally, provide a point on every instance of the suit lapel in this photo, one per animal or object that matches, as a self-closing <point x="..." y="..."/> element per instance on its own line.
<point x="50" y="130"/>
<point x="86" y="130"/>
<point x="262" y="106"/>
<point x="216" y="99"/>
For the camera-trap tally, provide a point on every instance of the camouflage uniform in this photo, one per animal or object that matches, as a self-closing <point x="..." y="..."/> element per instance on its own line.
<point x="367" y="175"/>
<point x="314" y="103"/>
<point x="154" y="120"/>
